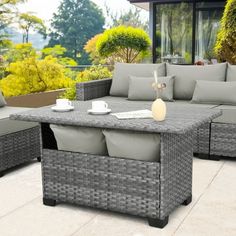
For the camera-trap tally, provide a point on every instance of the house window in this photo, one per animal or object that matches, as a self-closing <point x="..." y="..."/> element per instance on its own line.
<point x="186" y="31"/>
<point x="174" y="33"/>
<point x="208" y="17"/>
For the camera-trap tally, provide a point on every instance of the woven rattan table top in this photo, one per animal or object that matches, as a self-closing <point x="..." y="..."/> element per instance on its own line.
<point x="179" y="119"/>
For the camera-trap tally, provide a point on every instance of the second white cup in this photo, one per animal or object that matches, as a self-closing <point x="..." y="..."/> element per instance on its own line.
<point x="99" y="106"/>
<point x="63" y="102"/>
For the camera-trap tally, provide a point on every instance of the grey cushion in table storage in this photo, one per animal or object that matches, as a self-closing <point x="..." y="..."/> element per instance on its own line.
<point x="2" y="100"/>
<point x="186" y="77"/>
<point x="120" y="82"/>
<point x="140" y="88"/>
<point x="80" y="139"/>
<point x="133" y="145"/>
<point x="231" y="73"/>
<point x="214" y="92"/>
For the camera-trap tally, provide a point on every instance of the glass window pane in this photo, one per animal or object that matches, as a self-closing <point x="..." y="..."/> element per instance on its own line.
<point x="207" y="26"/>
<point x="174" y="33"/>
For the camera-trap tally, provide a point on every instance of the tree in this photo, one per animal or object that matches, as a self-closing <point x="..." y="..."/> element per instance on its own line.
<point x="28" y="22"/>
<point x="91" y="48"/>
<point x="8" y="11"/>
<point x="58" y="52"/>
<point x="226" y="39"/>
<point x="127" y="44"/>
<point x="129" y="18"/>
<point x="74" y="24"/>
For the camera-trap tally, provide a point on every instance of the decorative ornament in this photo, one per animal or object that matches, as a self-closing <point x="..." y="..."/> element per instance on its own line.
<point x="158" y="106"/>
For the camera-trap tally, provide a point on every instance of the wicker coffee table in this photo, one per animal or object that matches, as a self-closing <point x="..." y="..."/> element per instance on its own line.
<point x="148" y="189"/>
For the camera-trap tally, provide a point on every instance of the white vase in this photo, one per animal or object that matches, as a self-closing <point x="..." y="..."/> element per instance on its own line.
<point x="159" y="110"/>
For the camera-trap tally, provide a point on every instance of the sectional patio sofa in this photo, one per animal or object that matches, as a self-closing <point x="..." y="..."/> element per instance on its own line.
<point x="210" y="87"/>
<point x="19" y="141"/>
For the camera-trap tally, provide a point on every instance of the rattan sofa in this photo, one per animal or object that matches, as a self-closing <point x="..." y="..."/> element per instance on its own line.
<point x="213" y="141"/>
<point x="19" y="141"/>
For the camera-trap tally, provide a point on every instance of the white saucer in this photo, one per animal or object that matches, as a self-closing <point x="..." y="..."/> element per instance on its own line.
<point x="62" y="109"/>
<point x="104" y="112"/>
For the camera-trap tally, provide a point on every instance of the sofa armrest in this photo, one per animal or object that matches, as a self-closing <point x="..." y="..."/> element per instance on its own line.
<point x="93" y="89"/>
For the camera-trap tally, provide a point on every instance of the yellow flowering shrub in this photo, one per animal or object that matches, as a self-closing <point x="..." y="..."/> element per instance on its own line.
<point x="31" y="75"/>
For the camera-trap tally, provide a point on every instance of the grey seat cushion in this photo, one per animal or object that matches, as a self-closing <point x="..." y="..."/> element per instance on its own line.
<point x="2" y="100"/>
<point x="214" y="92"/>
<point x="147" y="104"/>
<point x="228" y="115"/>
<point x="188" y="103"/>
<point x="6" y="111"/>
<point x="140" y="88"/>
<point x="133" y="145"/>
<point x="231" y="73"/>
<point x="120" y="82"/>
<point x="13" y="126"/>
<point x="80" y="139"/>
<point x="186" y="76"/>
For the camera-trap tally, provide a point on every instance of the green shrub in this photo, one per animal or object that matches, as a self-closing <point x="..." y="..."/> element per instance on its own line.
<point x="31" y="75"/>
<point x="226" y="39"/>
<point x="20" y="51"/>
<point x="93" y="73"/>
<point x="127" y="44"/>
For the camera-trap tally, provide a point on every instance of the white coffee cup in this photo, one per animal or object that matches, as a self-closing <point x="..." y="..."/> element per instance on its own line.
<point x="99" y="106"/>
<point x="62" y="102"/>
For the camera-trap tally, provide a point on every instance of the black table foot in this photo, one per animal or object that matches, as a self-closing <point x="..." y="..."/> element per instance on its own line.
<point x="201" y="156"/>
<point x="49" y="202"/>
<point x="214" y="157"/>
<point x="39" y="159"/>
<point x="158" y="223"/>
<point x="187" y="201"/>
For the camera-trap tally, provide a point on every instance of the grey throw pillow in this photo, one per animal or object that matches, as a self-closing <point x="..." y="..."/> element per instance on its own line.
<point x="120" y="81"/>
<point x="186" y="77"/>
<point x="80" y="139"/>
<point x="231" y="73"/>
<point x="2" y="100"/>
<point x="140" y="88"/>
<point x="133" y="145"/>
<point x="213" y="92"/>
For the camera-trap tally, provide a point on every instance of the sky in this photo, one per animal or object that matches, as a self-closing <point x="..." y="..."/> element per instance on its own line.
<point x="45" y="8"/>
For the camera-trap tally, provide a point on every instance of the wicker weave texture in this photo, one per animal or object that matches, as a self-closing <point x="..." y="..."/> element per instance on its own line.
<point x="176" y="171"/>
<point x="223" y="139"/>
<point x="19" y="147"/>
<point x="93" y="89"/>
<point x="178" y="120"/>
<point x="202" y="139"/>
<point x="147" y="189"/>
<point x="121" y="185"/>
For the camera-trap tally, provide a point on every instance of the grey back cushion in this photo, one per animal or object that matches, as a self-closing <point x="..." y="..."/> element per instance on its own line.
<point x="231" y="73"/>
<point x="120" y="82"/>
<point x="133" y="145"/>
<point x="186" y="76"/>
<point x="140" y="88"/>
<point x="213" y="92"/>
<point x="2" y="100"/>
<point x="80" y="139"/>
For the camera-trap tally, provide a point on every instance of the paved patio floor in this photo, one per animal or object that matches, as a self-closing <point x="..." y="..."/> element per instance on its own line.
<point x="212" y="212"/>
